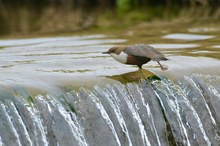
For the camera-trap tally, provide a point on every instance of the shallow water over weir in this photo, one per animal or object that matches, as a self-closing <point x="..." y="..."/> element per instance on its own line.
<point x="62" y="91"/>
<point x="158" y="112"/>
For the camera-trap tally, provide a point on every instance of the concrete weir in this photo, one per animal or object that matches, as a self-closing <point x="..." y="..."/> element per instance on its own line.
<point x="62" y="91"/>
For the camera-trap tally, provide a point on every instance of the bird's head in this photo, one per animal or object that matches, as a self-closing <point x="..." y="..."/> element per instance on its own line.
<point x="114" y="50"/>
<point x="111" y="50"/>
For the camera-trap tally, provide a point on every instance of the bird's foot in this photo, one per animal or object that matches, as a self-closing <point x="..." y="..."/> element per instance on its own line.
<point x="164" y="67"/>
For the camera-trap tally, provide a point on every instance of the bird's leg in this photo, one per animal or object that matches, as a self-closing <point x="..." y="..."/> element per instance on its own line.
<point x="162" y="67"/>
<point x="139" y="67"/>
<point x="142" y="72"/>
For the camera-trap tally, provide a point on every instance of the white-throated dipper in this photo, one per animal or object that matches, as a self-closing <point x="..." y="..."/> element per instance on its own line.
<point x="138" y="54"/>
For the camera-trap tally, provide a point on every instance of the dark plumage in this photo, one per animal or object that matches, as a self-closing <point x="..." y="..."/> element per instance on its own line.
<point x="136" y="55"/>
<point x="143" y="50"/>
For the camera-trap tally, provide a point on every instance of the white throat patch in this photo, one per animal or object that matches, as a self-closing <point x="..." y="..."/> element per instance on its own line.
<point x="122" y="57"/>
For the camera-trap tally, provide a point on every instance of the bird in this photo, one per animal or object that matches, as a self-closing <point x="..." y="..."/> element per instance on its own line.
<point x="137" y="54"/>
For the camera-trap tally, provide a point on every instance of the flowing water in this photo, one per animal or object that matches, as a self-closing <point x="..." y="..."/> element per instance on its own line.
<point x="64" y="91"/>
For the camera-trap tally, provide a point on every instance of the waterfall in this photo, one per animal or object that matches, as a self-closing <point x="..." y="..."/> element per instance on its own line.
<point x="145" y="113"/>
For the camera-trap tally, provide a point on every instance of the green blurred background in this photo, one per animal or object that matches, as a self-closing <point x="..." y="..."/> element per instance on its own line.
<point x="31" y="17"/>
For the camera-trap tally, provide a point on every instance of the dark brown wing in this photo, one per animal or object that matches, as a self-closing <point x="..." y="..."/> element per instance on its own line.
<point x="144" y="50"/>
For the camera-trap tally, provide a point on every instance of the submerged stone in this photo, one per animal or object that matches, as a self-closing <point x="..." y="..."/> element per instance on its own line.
<point x="135" y="76"/>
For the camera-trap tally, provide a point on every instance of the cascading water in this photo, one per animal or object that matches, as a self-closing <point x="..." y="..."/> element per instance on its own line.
<point x="62" y="91"/>
<point x="147" y="113"/>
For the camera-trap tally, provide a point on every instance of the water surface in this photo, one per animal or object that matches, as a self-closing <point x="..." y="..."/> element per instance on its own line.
<point x="64" y="91"/>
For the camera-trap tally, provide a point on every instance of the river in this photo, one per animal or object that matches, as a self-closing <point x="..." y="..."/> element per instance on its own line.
<point x="63" y="91"/>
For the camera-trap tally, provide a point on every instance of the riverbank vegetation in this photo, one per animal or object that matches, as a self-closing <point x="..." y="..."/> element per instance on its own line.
<point x="22" y="17"/>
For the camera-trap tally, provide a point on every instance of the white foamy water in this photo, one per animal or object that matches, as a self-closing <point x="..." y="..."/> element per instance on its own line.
<point x="188" y="37"/>
<point x="117" y="114"/>
<point x="174" y="46"/>
<point x="215" y="46"/>
<point x="15" y="136"/>
<point x="115" y="104"/>
<point x="203" y="29"/>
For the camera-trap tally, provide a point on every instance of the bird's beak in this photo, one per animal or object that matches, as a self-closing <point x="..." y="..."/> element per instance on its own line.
<point x="105" y="53"/>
